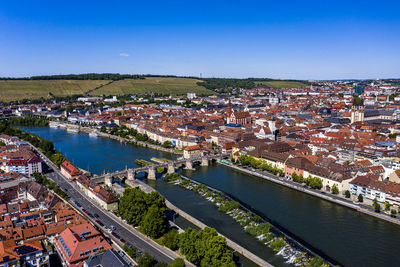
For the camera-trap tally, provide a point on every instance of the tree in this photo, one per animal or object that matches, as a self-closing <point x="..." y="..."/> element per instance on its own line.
<point x="377" y="207"/>
<point x="347" y="193"/>
<point x="393" y="213"/>
<point x="170" y="239"/>
<point x="187" y="245"/>
<point x="178" y="262"/>
<point x="360" y="198"/>
<point x="146" y="260"/>
<point x="133" y="206"/>
<point x="335" y="189"/>
<point x="130" y="250"/>
<point x="315" y="262"/>
<point x="167" y="144"/>
<point x="375" y="201"/>
<point x="161" y="264"/>
<point x="387" y="206"/>
<point x="154" y="223"/>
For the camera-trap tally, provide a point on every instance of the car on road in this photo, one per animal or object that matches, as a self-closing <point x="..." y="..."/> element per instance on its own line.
<point x="112" y="227"/>
<point x="77" y="204"/>
<point x="115" y="235"/>
<point x="96" y="215"/>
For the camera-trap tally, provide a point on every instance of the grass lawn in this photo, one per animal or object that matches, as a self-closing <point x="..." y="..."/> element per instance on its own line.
<point x="161" y="85"/>
<point x="31" y="89"/>
<point x="282" y="84"/>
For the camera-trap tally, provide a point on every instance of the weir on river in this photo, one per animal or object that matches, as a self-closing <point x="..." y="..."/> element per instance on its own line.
<point x="349" y="237"/>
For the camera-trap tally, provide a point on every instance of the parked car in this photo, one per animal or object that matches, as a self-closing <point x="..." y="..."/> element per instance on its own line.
<point x="112" y="227"/>
<point x="96" y="215"/>
<point x="115" y="235"/>
<point x="122" y="240"/>
<point x="77" y="203"/>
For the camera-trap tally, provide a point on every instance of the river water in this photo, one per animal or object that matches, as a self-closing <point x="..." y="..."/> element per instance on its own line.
<point x="344" y="235"/>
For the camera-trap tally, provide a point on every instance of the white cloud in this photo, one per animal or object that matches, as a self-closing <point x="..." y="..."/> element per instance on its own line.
<point x="123" y="55"/>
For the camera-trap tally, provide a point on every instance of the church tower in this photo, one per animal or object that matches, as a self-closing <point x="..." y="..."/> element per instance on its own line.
<point x="230" y="110"/>
<point x="357" y="112"/>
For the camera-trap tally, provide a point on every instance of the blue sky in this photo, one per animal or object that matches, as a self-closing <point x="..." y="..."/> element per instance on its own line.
<point x="277" y="39"/>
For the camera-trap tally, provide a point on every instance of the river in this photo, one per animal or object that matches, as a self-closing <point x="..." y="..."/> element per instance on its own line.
<point x="348" y="237"/>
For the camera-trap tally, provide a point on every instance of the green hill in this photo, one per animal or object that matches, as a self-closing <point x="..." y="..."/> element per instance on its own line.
<point x="160" y="85"/>
<point x="11" y="90"/>
<point x="281" y="84"/>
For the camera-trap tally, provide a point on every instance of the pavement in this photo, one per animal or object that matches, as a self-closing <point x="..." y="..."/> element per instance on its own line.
<point x="123" y="230"/>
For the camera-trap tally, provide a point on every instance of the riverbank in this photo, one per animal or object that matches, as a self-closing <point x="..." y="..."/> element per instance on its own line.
<point x="89" y="130"/>
<point x="334" y="199"/>
<point x="351" y="238"/>
<point x="233" y="245"/>
<point x="269" y="235"/>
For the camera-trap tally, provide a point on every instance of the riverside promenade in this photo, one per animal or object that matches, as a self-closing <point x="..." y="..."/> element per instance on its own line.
<point x="236" y="247"/>
<point x="89" y="130"/>
<point x="335" y="199"/>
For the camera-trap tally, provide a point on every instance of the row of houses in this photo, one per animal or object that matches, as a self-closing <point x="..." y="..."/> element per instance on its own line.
<point x="363" y="179"/>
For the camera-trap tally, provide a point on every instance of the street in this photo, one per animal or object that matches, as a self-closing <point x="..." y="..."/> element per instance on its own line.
<point x="106" y="218"/>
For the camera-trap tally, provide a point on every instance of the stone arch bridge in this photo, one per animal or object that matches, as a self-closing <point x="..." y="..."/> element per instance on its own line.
<point x="151" y="170"/>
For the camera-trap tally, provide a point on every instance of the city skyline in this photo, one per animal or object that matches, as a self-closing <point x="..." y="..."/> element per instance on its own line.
<point x="308" y="41"/>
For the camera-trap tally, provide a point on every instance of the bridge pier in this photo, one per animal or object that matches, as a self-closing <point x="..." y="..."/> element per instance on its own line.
<point x="171" y="168"/>
<point x="131" y="175"/>
<point x="204" y="162"/>
<point x="189" y="165"/>
<point x="151" y="175"/>
<point x="108" y="179"/>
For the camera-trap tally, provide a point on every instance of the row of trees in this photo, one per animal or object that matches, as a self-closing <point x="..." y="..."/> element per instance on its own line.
<point x="146" y="260"/>
<point x="44" y="145"/>
<point x="41" y="179"/>
<point x="230" y="83"/>
<point x="204" y="248"/>
<point x="88" y="76"/>
<point x="144" y="210"/>
<point x="246" y="160"/>
<point x="28" y="121"/>
<point x="125" y="132"/>
<point x="312" y="182"/>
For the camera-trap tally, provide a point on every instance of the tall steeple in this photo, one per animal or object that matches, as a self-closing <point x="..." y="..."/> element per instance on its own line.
<point x="229" y="111"/>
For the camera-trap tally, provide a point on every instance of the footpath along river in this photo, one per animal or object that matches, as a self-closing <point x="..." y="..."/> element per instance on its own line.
<point x="348" y="237"/>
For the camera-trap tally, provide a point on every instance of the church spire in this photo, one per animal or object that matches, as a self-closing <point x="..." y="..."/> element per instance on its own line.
<point x="229" y="111"/>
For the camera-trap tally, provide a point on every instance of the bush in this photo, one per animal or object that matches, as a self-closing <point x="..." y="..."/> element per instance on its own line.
<point x="360" y="198"/>
<point x="277" y="244"/>
<point x="178" y="262"/>
<point x="347" y="194"/>
<point x="377" y="207"/>
<point x="146" y="260"/>
<point x="170" y="239"/>
<point x="170" y="177"/>
<point x="260" y="229"/>
<point x="228" y="206"/>
<point x="130" y="250"/>
<point x="335" y="189"/>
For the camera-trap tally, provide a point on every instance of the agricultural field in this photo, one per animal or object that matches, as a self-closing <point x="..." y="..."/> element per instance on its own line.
<point x="282" y="84"/>
<point x="11" y="90"/>
<point x="160" y="85"/>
